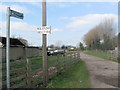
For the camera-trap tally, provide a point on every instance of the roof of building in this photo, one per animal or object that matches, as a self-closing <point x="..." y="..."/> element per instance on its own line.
<point x="13" y="42"/>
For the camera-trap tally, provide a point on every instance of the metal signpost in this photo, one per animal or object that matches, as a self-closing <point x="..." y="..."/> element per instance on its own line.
<point x="119" y="32"/>
<point x="10" y="13"/>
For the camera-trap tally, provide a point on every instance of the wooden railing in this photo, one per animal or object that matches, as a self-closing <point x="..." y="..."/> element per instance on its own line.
<point x="112" y="55"/>
<point x="28" y="73"/>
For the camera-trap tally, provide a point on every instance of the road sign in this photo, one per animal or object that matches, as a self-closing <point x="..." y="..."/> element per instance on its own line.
<point x="44" y="30"/>
<point x="9" y="14"/>
<point x="16" y="14"/>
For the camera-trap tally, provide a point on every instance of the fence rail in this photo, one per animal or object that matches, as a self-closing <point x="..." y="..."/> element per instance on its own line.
<point x="28" y="72"/>
<point x="112" y="55"/>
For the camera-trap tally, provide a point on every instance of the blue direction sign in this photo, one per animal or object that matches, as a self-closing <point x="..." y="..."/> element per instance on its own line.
<point x="16" y="14"/>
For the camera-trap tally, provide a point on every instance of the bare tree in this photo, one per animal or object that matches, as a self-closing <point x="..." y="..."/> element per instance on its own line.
<point x="105" y="31"/>
<point x="58" y="43"/>
<point x="25" y="42"/>
<point x="13" y="36"/>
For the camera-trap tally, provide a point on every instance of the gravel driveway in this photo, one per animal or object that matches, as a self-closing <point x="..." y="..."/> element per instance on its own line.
<point x="103" y="73"/>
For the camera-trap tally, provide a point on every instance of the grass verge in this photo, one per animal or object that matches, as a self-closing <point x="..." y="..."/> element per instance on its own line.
<point x="71" y="52"/>
<point x="103" y="55"/>
<point x="75" y="77"/>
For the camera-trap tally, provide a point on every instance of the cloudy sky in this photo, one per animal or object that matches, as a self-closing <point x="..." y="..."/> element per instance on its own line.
<point x="69" y="21"/>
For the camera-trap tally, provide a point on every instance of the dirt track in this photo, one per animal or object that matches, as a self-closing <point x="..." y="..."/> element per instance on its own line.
<point x="103" y="73"/>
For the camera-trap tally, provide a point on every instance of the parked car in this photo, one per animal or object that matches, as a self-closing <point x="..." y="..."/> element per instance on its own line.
<point x="56" y="52"/>
<point x="50" y="53"/>
<point x="59" y="52"/>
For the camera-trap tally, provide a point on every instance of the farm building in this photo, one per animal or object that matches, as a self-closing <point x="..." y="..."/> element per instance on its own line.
<point x="13" y="42"/>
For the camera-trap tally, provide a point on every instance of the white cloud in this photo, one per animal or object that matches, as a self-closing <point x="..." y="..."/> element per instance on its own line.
<point x="89" y="20"/>
<point x="56" y="30"/>
<point x="17" y="26"/>
<point x="64" y="18"/>
<point x="61" y="0"/>
<point x="35" y="4"/>
<point x="88" y="5"/>
<point x="3" y="8"/>
<point x="73" y="30"/>
<point x="23" y="26"/>
<point x="62" y="5"/>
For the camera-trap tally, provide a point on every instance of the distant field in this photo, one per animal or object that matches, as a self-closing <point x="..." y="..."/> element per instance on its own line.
<point x="103" y="55"/>
<point x="75" y="77"/>
<point x="71" y="52"/>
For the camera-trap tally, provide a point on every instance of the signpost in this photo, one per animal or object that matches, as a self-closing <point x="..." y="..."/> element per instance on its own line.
<point x="10" y="13"/>
<point x="119" y="32"/>
<point x="44" y="44"/>
<point x="44" y="30"/>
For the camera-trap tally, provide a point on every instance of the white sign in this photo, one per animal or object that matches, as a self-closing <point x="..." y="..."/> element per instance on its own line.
<point x="44" y="30"/>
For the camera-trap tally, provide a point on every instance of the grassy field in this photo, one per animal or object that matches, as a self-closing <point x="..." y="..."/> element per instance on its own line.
<point x="103" y="55"/>
<point x="71" y="52"/>
<point x="75" y="77"/>
<point x="36" y="62"/>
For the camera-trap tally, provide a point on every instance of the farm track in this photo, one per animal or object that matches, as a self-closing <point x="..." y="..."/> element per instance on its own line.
<point x="103" y="73"/>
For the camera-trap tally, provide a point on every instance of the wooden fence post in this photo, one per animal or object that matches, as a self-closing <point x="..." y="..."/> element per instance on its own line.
<point x="28" y="74"/>
<point x="28" y="79"/>
<point x="69" y="60"/>
<point x="78" y="56"/>
<point x="58" y="67"/>
<point x="74" y="58"/>
<point x="66" y="61"/>
<point x="65" y="58"/>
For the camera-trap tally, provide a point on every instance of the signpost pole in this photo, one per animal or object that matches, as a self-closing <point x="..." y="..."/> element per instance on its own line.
<point x="8" y="48"/>
<point x="118" y="31"/>
<point x="17" y="15"/>
<point x="44" y="52"/>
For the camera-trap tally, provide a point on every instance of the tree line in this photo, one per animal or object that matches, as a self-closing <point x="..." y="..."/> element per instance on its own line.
<point x="102" y="37"/>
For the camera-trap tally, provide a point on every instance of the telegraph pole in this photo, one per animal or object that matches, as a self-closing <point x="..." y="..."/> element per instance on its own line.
<point x="44" y="43"/>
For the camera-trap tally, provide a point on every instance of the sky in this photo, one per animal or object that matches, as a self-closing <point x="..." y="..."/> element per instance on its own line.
<point x="69" y="21"/>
